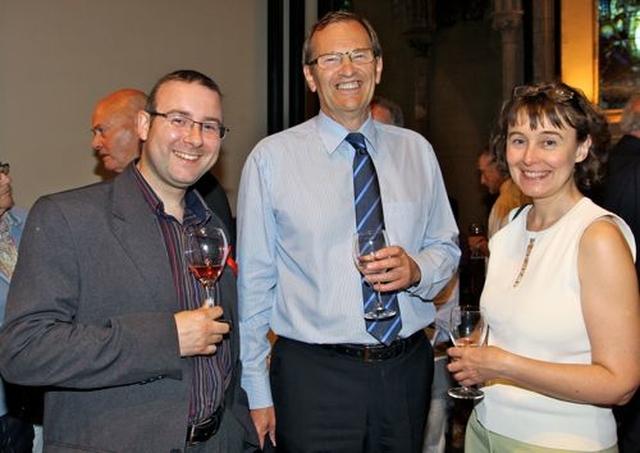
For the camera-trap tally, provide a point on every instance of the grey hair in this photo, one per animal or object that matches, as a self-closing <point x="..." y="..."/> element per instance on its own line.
<point x="334" y="17"/>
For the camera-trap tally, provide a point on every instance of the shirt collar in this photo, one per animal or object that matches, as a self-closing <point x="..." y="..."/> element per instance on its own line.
<point x="7" y="221"/>
<point x="333" y="133"/>
<point x="195" y="205"/>
<point x="196" y="210"/>
<point x="10" y="219"/>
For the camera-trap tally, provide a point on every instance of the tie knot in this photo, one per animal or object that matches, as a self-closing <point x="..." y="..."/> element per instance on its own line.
<point x="356" y="139"/>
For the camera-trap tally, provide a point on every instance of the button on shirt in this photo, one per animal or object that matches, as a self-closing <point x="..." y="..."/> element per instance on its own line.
<point x="296" y="223"/>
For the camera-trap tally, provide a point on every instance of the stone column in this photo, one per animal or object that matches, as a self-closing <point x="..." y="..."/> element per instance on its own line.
<point x="507" y="19"/>
<point x="544" y="64"/>
<point x="417" y="22"/>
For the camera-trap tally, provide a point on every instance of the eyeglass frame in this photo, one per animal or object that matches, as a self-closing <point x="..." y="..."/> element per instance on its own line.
<point x="5" y="168"/>
<point x="316" y="61"/>
<point x="222" y="129"/>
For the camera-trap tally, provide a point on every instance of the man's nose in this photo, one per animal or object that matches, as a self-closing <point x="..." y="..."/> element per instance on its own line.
<point x="96" y="142"/>
<point x="195" y="133"/>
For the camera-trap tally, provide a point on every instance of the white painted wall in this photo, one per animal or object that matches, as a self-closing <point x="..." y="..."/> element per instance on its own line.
<point x="59" y="57"/>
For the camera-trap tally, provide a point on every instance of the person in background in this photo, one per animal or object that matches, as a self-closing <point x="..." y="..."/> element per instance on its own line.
<point x="103" y="309"/>
<point x="216" y="198"/>
<point x="116" y="143"/>
<point x="620" y="191"/>
<point x="113" y="125"/>
<point x="561" y="294"/>
<point x="620" y="194"/>
<point x="386" y="111"/>
<point x="337" y="383"/>
<point x="16" y="431"/>
<point x="509" y="197"/>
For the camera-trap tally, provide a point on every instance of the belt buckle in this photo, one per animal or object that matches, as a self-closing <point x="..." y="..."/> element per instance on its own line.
<point x="366" y="355"/>
<point x="191" y="430"/>
<point x="208" y="427"/>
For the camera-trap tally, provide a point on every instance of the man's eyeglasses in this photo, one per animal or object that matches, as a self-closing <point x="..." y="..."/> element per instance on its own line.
<point x="334" y="59"/>
<point x="556" y="93"/>
<point x="4" y="168"/>
<point x="184" y="124"/>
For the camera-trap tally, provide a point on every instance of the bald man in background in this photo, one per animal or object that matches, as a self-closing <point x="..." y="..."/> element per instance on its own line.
<point x="113" y="125"/>
<point x="116" y="143"/>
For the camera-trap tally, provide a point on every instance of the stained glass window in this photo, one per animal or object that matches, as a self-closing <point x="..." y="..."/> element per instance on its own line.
<point x="618" y="51"/>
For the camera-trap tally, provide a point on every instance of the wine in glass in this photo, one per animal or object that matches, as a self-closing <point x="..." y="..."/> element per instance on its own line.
<point x="364" y="244"/>
<point x="467" y="329"/>
<point x="206" y="250"/>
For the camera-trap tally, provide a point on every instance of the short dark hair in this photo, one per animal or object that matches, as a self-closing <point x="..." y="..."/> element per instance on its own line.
<point x="334" y="17"/>
<point x="181" y="75"/>
<point x="562" y="106"/>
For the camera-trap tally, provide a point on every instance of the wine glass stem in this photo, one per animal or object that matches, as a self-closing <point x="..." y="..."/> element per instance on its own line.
<point x="379" y="305"/>
<point x="209" y="300"/>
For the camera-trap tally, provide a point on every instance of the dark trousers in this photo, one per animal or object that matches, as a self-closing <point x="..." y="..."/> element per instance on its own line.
<point x="628" y="417"/>
<point x="16" y="435"/>
<point x="328" y="402"/>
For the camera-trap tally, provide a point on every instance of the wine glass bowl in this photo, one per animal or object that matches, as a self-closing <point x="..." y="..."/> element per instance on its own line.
<point x="206" y="251"/>
<point x="467" y="329"/>
<point x="364" y="244"/>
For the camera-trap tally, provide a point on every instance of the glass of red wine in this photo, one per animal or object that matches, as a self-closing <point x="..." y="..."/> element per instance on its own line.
<point x="206" y="250"/>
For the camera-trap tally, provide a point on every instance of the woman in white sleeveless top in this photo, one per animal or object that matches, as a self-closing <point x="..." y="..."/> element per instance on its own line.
<point x="561" y="294"/>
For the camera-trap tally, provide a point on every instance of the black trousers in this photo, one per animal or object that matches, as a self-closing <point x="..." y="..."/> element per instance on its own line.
<point x="628" y="417"/>
<point x="16" y="435"/>
<point x="328" y="402"/>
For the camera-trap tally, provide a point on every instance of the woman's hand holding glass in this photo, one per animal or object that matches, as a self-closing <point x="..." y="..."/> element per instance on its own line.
<point x="467" y="329"/>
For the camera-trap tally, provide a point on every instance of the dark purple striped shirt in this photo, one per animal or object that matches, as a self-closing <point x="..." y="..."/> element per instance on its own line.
<point x="211" y="374"/>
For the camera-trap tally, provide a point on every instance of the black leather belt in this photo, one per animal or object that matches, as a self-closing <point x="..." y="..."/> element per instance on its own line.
<point x="376" y="352"/>
<point x="204" y="430"/>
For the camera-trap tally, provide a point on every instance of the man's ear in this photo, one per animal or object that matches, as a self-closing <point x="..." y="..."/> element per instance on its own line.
<point x="378" y="69"/>
<point x="143" y="124"/>
<point x="308" y="76"/>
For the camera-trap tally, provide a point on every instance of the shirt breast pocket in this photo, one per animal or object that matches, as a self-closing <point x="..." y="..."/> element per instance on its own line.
<point x="405" y="223"/>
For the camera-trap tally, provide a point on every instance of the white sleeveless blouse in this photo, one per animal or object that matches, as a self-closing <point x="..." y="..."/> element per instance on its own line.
<point x="541" y="318"/>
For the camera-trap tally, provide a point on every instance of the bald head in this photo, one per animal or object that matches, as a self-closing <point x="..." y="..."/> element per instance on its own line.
<point x="115" y="138"/>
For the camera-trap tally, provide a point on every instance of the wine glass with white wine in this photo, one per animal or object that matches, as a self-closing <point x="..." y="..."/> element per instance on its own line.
<point x="467" y="329"/>
<point x="364" y="244"/>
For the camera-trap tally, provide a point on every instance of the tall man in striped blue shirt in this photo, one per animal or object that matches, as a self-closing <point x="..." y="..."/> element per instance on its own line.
<point x="102" y="307"/>
<point x="334" y="384"/>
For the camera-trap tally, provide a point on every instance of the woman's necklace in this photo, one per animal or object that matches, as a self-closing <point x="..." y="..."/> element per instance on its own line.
<point x="525" y="262"/>
<point x="544" y="226"/>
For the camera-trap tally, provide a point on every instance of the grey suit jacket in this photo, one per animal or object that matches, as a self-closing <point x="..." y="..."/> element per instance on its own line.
<point x="91" y="314"/>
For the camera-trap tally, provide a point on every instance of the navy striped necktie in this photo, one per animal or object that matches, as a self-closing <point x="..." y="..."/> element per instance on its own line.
<point x="370" y="217"/>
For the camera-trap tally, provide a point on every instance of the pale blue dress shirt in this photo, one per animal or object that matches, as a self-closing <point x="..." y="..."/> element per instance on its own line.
<point x="296" y="222"/>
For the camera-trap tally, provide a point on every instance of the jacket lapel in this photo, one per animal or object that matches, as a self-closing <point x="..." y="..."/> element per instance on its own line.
<point x="136" y="227"/>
